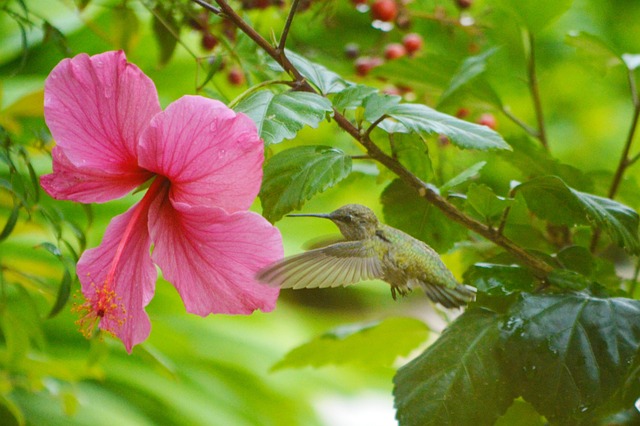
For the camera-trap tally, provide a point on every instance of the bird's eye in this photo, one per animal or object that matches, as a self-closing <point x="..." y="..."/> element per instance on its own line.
<point x="348" y="218"/>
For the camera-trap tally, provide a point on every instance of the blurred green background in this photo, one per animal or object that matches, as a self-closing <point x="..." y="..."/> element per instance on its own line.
<point x="217" y="370"/>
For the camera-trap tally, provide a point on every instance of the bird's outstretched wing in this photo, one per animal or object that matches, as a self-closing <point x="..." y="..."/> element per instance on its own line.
<point x="339" y="264"/>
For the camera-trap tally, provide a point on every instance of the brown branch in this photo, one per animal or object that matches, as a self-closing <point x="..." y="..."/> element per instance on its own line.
<point x="535" y="92"/>
<point x="539" y="267"/>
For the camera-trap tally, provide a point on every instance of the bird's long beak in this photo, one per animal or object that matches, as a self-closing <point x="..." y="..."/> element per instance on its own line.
<point x="322" y="215"/>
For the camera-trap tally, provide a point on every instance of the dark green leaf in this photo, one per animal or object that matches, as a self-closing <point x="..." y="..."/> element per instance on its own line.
<point x="577" y="258"/>
<point x="405" y="210"/>
<point x="352" y="96"/>
<point x="280" y="116"/>
<point x="567" y="279"/>
<point x="572" y="353"/>
<point x="51" y="248"/>
<point x="463" y="177"/>
<point x="551" y="199"/>
<point x="55" y="36"/>
<point x="326" y="81"/>
<point x="360" y="344"/>
<point x="499" y="280"/>
<point x="537" y="14"/>
<point x="166" y="31"/>
<point x="10" y="223"/>
<point x="458" y="380"/>
<point x="293" y="176"/>
<point x="426" y="121"/>
<point x="63" y="294"/>
<point x="487" y="204"/>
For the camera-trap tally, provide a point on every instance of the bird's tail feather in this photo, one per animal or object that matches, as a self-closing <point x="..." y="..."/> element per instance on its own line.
<point x="450" y="297"/>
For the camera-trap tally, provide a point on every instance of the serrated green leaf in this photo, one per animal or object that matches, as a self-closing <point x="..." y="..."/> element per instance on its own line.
<point x="499" y="280"/>
<point x="537" y="14"/>
<point x="280" y="116"/>
<point x="293" y="176"/>
<point x="426" y="121"/>
<point x="463" y="177"/>
<point x="325" y="80"/>
<point x="571" y="353"/>
<point x="64" y="291"/>
<point x="360" y="344"/>
<point x="377" y="104"/>
<point x="405" y="210"/>
<point x="458" y="380"/>
<point x="551" y="199"/>
<point x="352" y="96"/>
<point x="166" y="31"/>
<point x="470" y="68"/>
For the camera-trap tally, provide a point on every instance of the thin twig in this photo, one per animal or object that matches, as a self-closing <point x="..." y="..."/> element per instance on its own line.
<point x="538" y="266"/>
<point x="535" y="92"/>
<point x="208" y="6"/>
<point x="530" y="130"/>
<point x="287" y="26"/>
<point x="373" y="125"/>
<point x="625" y="161"/>
<point x="505" y="213"/>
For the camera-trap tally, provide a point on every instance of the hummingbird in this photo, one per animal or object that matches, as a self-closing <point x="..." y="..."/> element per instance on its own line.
<point x="370" y="250"/>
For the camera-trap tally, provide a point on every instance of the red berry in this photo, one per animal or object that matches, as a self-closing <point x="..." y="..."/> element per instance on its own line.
<point x="365" y="64"/>
<point x="488" y="120"/>
<point x="464" y="4"/>
<point x="412" y="42"/>
<point x="235" y="76"/>
<point x="384" y="10"/>
<point x="394" y="51"/>
<point x="462" y="112"/>
<point x="209" y="41"/>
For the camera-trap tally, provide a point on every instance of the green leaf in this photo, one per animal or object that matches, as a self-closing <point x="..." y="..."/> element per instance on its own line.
<point x="352" y="96"/>
<point x="499" y="280"/>
<point x="293" y="176"/>
<point x="458" y="380"/>
<point x="10" y="223"/>
<point x="166" y="31"/>
<point x="463" y="177"/>
<point x="537" y="14"/>
<point x="570" y="354"/>
<point x="594" y="50"/>
<point x="567" y="279"/>
<point x="412" y="152"/>
<point x="125" y="28"/>
<point x="482" y="199"/>
<point x="578" y="259"/>
<point x="471" y="68"/>
<point x="326" y="81"/>
<point x="551" y="199"/>
<point x="64" y="291"/>
<point x="426" y="121"/>
<point x="280" y="116"/>
<point x="377" y="104"/>
<point x="360" y="344"/>
<point x="405" y="210"/>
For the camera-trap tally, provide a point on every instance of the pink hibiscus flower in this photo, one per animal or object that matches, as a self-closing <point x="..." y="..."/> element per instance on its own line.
<point x="205" y="166"/>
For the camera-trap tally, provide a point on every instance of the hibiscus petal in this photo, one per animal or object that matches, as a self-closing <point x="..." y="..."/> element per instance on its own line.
<point x="212" y="155"/>
<point x="117" y="295"/>
<point x="96" y="108"/>
<point x="88" y="185"/>
<point x="212" y="257"/>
